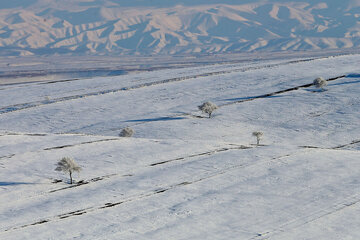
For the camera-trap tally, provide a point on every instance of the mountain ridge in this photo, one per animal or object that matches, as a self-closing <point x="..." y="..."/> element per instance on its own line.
<point x="107" y="27"/>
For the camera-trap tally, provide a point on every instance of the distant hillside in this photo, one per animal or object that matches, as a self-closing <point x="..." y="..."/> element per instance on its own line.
<point x="103" y="27"/>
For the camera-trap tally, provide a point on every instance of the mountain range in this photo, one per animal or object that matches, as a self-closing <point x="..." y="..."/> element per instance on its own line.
<point x="139" y="27"/>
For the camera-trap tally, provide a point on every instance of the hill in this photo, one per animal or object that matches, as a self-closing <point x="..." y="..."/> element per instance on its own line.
<point x="184" y="175"/>
<point x="45" y="27"/>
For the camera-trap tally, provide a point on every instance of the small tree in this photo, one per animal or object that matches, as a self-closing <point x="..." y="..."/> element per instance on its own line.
<point x="258" y="136"/>
<point x="208" y="107"/>
<point x="320" y="83"/>
<point x="67" y="165"/>
<point x="127" y="132"/>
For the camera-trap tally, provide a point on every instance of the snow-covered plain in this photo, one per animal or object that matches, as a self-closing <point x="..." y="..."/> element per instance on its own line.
<point x="182" y="175"/>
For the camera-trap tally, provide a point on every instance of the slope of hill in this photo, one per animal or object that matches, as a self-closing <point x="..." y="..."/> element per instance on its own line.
<point x="162" y="27"/>
<point x="183" y="175"/>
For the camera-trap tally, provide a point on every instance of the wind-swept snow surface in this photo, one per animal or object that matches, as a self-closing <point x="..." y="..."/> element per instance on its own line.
<point x="183" y="175"/>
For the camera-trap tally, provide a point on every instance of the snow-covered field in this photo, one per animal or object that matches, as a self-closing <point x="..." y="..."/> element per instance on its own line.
<point x="183" y="175"/>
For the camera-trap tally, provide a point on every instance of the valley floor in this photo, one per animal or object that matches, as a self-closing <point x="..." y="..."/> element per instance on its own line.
<point x="183" y="175"/>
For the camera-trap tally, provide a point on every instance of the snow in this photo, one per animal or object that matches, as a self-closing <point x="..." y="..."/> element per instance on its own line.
<point x="141" y="27"/>
<point x="183" y="175"/>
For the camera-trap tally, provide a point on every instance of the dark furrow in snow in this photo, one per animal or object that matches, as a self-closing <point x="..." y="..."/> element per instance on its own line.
<point x="143" y="195"/>
<point x="279" y="92"/>
<point x="22" y="106"/>
<point x="244" y="100"/>
<point x="7" y="156"/>
<point x="62" y="146"/>
<point x="208" y="153"/>
<point x="339" y="147"/>
<point x="82" y="143"/>
<point x="96" y="179"/>
<point x="84" y="182"/>
<point x="313" y="216"/>
<point x="23" y="134"/>
<point x="346" y="145"/>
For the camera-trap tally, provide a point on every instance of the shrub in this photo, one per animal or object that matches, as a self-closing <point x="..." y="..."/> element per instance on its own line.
<point x="127" y="132"/>
<point x="320" y="83"/>
<point x="208" y="107"/>
<point x="67" y="165"/>
<point x="258" y="136"/>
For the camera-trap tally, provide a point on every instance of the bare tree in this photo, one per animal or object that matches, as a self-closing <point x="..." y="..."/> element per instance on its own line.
<point x="67" y="165"/>
<point x="320" y="83"/>
<point x="208" y="107"/>
<point x="258" y="136"/>
<point x="127" y="132"/>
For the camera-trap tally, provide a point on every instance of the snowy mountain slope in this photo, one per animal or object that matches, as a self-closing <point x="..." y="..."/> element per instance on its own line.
<point x="143" y="27"/>
<point x="183" y="175"/>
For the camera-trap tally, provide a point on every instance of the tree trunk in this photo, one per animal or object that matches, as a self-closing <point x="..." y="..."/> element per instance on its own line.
<point x="209" y="115"/>
<point x="257" y="141"/>
<point x="70" y="177"/>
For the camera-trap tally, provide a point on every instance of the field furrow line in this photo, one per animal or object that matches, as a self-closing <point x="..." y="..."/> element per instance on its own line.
<point x="307" y="219"/>
<point x="147" y="194"/>
<point x="192" y="115"/>
<point x="23" y="106"/>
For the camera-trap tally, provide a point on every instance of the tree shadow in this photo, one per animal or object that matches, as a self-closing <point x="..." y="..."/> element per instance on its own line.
<point x="316" y="90"/>
<point x="156" y="119"/>
<point x="14" y="183"/>
<point x="345" y="83"/>
<point x="353" y="75"/>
